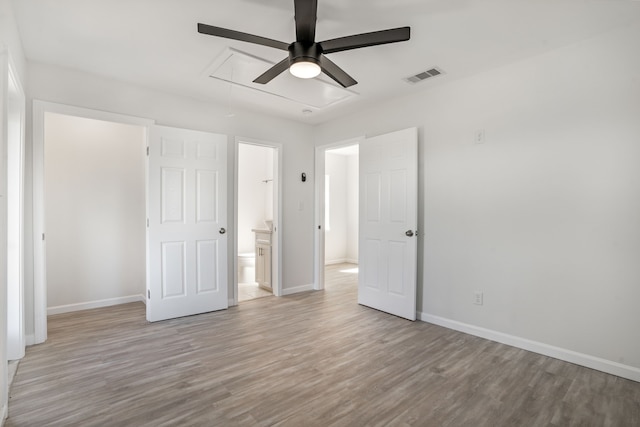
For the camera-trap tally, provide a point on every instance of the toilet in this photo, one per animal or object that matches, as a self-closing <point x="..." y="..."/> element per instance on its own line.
<point x="246" y="267"/>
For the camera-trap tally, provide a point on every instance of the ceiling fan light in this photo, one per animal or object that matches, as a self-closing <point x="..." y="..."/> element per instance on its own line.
<point x="305" y="69"/>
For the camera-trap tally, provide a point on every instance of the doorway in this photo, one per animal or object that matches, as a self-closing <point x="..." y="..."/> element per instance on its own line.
<point x="257" y="225"/>
<point x="337" y="207"/>
<point x="95" y="212"/>
<point x="99" y="226"/>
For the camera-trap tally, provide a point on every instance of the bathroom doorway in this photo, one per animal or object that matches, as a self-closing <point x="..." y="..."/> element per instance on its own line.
<point x="340" y="216"/>
<point x="257" y="221"/>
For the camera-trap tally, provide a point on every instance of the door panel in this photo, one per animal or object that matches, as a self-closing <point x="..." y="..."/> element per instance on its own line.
<point x="207" y="279"/>
<point x="173" y="269"/>
<point x="172" y="195"/>
<point x="388" y="209"/>
<point x="187" y="205"/>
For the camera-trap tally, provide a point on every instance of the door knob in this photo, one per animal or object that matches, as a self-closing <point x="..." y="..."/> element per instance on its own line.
<point x="222" y="231"/>
<point x="409" y="233"/>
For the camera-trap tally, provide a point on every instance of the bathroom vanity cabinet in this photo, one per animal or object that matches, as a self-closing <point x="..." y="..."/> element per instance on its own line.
<point x="263" y="258"/>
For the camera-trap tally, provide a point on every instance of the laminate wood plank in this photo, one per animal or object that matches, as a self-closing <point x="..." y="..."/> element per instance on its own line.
<point x="311" y="359"/>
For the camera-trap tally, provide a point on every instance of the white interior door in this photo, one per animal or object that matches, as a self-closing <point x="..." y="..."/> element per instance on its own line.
<point x="187" y="209"/>
<point x="388" y="221"/>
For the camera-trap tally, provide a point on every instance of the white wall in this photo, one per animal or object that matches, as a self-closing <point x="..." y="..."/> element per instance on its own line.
<point x="542" y="217"/>
<point x="336" y="235"/>
<point x="95" y="210"/>
<point x="64" y="86"/>
<point x="10" y="39"/>
<point x="341" y="240"/>
<point x="255" y="197"/>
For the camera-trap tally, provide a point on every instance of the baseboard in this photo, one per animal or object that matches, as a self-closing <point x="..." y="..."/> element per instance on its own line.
<point x="94" y="304"/>
<point x="297" y="289"/>
<point x="599" y="364"/>
<point x="29" y="339"/>
<point x="341" y="261"/>
<point x="3" y="413"/>
<point x="334" y="261"/>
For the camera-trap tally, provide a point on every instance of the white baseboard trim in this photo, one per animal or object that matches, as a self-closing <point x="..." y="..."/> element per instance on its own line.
<point x="94" y="304"/>
<point x="297" y="289"/>
<point x="341" y="261"/>
<point x="599" y="364"/>
<point x="29" y="339"/>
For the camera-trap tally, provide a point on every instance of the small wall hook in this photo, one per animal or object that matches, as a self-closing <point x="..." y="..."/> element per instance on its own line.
<point x="304" y="177"/>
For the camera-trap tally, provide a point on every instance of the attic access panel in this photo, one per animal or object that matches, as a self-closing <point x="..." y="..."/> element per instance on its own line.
<point x="240" y="68"/>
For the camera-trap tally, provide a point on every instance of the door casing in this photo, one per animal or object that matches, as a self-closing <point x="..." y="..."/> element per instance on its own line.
<point x="319" y="223"/>
<point x="40" y="108"/>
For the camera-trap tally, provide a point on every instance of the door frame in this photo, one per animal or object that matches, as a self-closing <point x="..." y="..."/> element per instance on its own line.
<point x="39" y="242"/>
<point x="278" y="228"/>
<point x="15" y="297"/>
<point x="319" y="243"/>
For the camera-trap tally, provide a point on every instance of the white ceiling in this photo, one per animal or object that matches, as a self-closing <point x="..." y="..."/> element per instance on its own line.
<point x="154" y="43"/>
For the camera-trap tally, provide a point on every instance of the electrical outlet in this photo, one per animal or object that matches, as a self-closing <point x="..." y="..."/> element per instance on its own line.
<point x="477" y="298"/>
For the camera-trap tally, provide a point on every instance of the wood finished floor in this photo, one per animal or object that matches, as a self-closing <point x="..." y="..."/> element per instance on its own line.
<point x="312" y="359"/>
<point x="249" y="291"/>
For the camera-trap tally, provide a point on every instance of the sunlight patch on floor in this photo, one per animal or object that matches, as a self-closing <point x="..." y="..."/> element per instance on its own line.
<point x="350" y="270"/>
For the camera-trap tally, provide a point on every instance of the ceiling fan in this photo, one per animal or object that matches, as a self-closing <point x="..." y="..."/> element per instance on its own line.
<point x="306" y="56"/>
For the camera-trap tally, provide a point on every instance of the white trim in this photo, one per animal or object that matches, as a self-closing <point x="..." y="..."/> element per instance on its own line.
<point x="297" y="289"/>
<point x="318" y="226"/>
<point x="3" y="414"/>
<point x="39" y="245"/>
<point x="597" y="363"/>
<point x="340" y="261"/>
<point x="87" y="113"/>
<point x="319" y="261"/>
<point x="68" y="308"/>
<point x="16" y="348"/>
<point x="277" y="236"/>
<point x="29" y="339"/>
<point x="233" y="222"/>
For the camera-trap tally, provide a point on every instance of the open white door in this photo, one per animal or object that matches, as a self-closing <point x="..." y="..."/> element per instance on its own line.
<point x="187" y="209"/>
<point x="388" y="220"/>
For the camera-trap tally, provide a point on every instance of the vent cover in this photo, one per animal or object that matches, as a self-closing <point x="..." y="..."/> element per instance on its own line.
<point x="424" y="75"/>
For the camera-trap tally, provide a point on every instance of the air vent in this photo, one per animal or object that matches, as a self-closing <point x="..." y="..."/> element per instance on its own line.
<point x="424" y="75"/>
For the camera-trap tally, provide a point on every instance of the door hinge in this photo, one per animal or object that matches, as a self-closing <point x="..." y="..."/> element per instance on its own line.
<point x="148" y="293"/>
<point x="147" y="222"/>
<point x="147" y="151"/>
<point x="42" y="236"/>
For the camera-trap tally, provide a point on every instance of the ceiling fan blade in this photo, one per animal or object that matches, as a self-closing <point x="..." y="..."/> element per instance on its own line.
<point x="243" y="37"/>
<point x="306" y="12"/>
<point x="336" y="73"/>
<point x="366" y="39"/>
<point x="273" y="72"/>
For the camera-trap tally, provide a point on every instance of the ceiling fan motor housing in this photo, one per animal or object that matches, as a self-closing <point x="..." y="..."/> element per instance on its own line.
<point x="304" y="52"/>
